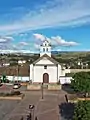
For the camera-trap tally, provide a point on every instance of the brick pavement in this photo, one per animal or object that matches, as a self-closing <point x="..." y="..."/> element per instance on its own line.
<point x="46" y="109"/>
<point x="23" y="107"/>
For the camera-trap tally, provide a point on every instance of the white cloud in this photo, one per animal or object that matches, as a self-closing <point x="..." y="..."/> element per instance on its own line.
<point x="23" y="34"/>
<point x="23" y="43"/>
<point x="14" y="46"/>
<point x="39" y="36"/>
<point x="37" y="46"/>
<point x="50" y="14"/>
<point x="9" y="38"/>
<point x="5" y="42"/>
<point x="62" y="42"/>
<point x="6" y="39"/>
<point x="55" y="41"/>
<point x="16" y="51"/>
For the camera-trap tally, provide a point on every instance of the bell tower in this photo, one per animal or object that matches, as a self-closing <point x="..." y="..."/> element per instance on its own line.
<point x="45" y="48"/>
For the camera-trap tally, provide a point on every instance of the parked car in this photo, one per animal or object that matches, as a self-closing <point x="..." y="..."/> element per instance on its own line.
<point x="16" y="85"/>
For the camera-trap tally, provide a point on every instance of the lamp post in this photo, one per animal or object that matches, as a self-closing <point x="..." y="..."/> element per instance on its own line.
<point x="31" y="107"/>
<point x="42" y="90"/>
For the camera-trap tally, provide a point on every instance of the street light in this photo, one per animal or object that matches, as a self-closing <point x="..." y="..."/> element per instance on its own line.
<point x="31" y="107"/>
<point x="42" y="90"/>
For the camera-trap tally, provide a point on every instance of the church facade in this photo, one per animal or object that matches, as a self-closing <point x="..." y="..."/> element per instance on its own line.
<point x="46" y="69"/>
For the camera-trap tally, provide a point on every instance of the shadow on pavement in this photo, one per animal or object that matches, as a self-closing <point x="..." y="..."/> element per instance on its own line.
<point x="66" y="110"/>
<point x="68" y="89"/>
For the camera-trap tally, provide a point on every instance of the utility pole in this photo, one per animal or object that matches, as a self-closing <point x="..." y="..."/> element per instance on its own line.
<point x="17" y="73"/>
<point x="17" y="68"/>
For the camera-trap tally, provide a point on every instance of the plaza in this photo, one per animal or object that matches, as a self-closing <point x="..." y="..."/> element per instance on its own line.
<point x="45" y="109"/>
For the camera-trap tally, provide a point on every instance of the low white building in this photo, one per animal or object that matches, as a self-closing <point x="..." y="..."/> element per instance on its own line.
<point x="46" y="69"/>
<point x="6" y="64"/>
<point x="21" y="61"/>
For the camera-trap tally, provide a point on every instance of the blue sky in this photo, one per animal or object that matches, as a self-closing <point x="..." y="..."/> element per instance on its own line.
<point x="24" y="24"/>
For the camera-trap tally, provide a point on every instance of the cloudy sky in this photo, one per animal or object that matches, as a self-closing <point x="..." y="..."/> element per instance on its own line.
<point x="24" y="24"/>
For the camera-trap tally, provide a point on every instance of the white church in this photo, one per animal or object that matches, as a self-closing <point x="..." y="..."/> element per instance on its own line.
<point x="46" y="69"/>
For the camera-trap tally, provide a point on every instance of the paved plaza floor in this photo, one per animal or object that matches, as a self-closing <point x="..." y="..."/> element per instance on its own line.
<point x="45" y="109"/>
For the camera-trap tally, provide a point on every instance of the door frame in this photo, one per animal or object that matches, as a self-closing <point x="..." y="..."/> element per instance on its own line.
<point x="45" y="78"/>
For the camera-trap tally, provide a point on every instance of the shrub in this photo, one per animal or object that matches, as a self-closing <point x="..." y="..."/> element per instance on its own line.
<point x="10" y="94"/>
<point x="15" y="93"/>
<point x="2" y="94"/>
<point x="7" y="94"/>
<point x="82" y="111"/>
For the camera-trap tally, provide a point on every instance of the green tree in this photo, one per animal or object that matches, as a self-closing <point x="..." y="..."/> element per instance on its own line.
<point x="81" y="82"/>
<point x="82" y="111"/>
<point x="4" y="78"/>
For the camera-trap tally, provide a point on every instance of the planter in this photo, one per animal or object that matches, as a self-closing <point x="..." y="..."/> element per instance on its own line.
<point x="78" y="99"/>
<point x="82" y="99"/>
<point x="34" y="87"/>
<point x="19" y="97"/>
<point x="54" y="87"/>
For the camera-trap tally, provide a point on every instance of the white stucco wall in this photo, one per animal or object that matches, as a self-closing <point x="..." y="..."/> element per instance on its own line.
<point x="44" y="61"/>
<point x="67" y="71"/>
<point x="39" y="71"/>
<point x="61" y="72"/>
<point x="55" y="72"/>
<point x="45" y="52"/>
<point x="31" y="72"/>
<point x="65" y="80"/>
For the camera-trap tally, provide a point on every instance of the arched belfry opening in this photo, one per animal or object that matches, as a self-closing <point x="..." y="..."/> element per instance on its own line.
<point x="45" y="48"/>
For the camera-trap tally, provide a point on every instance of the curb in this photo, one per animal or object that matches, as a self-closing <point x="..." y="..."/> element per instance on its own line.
<point x="12" y="97"/>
